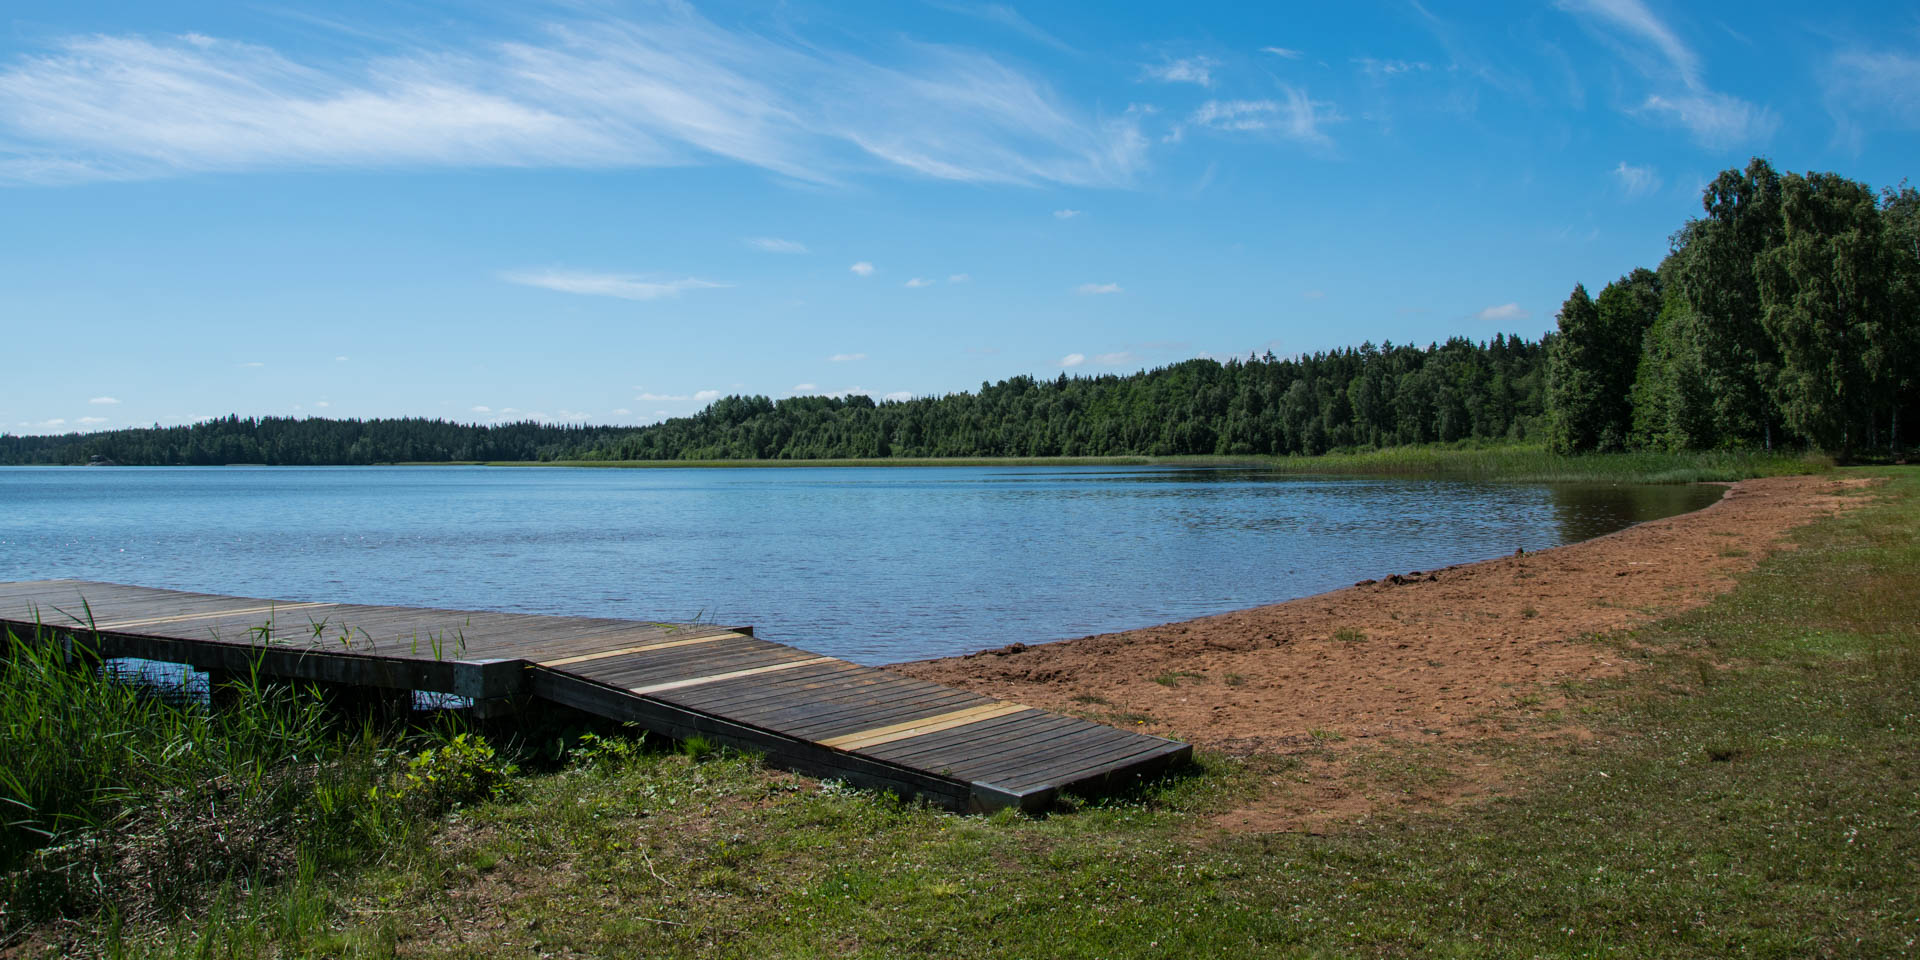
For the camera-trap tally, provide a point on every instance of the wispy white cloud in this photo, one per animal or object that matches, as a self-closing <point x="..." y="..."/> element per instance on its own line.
<point x="1636" y="181"/>
<point x="1010" y="18"/>
<point x="664" y="87"/>
<point x="1714" y="119"/>
<point x="1381" y="69"/>
<point x="1195" y="70"/>
<point x="481" y="408"/>
<point x="1505" y="311"/>
<point x="622" y="412"/>
<point x="863" y="268"/>
<point x="1066" y="214"/>
<point x="1681" y="95"/>
<point x="960" y="278"/>
<point x="1073" y="359"/>
<point x="104" y="401"/>
<point x="1632" y="18"/>
<point x="705" y="396"/>
<point x="253" y="364"/>
<point x="1096" y="289"/>
<point x="621" y="285"/>
<point x="1118" y="358"/>
<point x="776" y="245"/>
<point x="918" y="282"/>
<point x="898" y="396"/>
<point x="1314" y="295"/>
<point x="1283" y="52"/>
<point x="1888" y="84"/>
<point x="846" y="357"/>
<point x="1297" y="117"/>
<point x="90" y="421"/>
<point x="340" y="359"/>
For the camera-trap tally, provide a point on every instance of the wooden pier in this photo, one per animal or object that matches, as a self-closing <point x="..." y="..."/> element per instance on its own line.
<point x="814" y="714"/>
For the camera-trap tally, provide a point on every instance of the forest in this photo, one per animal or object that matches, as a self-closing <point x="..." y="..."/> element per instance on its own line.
<point x="1783" y="316"/>
<point x="1361" y="397"/>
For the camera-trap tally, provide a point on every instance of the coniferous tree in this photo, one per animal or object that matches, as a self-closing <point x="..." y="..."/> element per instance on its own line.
<point x="1578" y="412"/>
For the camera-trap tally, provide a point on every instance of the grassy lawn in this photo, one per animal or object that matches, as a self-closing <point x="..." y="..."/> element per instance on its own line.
<point x="1753" y="790"/>
<point x="1504" y="462"/>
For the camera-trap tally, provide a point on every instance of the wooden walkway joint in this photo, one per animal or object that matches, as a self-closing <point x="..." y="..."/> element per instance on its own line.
<point x="815" y="714"/>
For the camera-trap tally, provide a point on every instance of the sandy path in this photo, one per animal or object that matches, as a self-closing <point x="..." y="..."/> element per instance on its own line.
<point x="1427" y="653"/>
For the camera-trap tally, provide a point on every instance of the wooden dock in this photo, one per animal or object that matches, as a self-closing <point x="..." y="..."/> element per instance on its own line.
<point x="814" y="714"/>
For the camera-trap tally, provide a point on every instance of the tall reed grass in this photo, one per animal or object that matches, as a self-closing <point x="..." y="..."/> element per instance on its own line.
<point x="1535" y="464"/>
<point x="117" y="796"/>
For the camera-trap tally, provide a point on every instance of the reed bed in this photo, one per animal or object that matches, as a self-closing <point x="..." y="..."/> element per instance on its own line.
<point x="129" y="797"/>
<point x="1508" y="462"/>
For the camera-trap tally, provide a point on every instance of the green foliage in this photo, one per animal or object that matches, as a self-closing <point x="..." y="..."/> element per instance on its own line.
<point x="698" y="748"/>
<point x="607" y="754"/>
<point x="463" y="770"/>
<point x="1793" y="318"/>
<point x="1823" y="289"/>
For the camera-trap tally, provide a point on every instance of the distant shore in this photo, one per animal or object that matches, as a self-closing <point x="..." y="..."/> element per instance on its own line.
<point x="1511" y="463"/>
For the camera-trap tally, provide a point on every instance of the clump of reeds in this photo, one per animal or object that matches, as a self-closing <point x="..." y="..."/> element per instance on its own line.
<point x="120" y="796"/>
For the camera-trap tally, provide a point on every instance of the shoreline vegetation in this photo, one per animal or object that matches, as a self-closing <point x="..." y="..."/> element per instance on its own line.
<point x="1479" y="462"/>
<point x="1517" y="463"/>
<point x="1746" y="786"/>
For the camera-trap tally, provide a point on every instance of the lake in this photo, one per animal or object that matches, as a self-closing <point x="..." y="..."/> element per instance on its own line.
<point x="872" y="564"/>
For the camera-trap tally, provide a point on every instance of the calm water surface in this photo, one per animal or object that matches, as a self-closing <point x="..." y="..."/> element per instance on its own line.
<point x="871" y="564"/>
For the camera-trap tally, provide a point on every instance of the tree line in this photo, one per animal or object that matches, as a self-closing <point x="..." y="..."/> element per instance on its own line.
<point x="1784" y="315"/>
<point x="1365" y="396"/>
<point x="308" y="441"/>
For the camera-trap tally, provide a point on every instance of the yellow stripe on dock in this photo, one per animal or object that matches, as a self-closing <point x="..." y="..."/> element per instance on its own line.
<point x="155" y="621"/>
<point x="716" y="678"/>
<point x="661" y="645"/>
<point x="922" y="726"/>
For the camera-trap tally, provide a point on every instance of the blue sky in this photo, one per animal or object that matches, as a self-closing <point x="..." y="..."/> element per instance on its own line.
<point x="614" y="212"/>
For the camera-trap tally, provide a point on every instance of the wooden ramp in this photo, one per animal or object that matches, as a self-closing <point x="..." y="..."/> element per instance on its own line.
<point x="806" y="712"/>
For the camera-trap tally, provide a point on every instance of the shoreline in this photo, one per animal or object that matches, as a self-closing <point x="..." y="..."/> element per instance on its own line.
<point x="1426" y="657"/>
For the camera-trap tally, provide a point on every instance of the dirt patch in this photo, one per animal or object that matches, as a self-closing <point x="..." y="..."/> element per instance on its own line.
<point x="1410" y="657"/>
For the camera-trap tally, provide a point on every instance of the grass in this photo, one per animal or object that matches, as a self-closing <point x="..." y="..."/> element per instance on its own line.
<point x="128" y="800"/>
<point x="1466" y="460"/>
<point x="1753" y="790"/>
<point x="1172" y="678"/>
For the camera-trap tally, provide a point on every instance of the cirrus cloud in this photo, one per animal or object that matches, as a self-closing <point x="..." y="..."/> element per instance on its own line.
<point x="661" y="86"/>
<point x="621" y="285"/>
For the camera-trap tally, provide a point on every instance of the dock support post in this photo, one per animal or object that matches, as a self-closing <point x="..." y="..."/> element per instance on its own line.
<point x="223" y="687"/>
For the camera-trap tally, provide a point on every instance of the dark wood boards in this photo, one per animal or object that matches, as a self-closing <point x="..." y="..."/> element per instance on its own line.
<point x="815" y="714"/>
